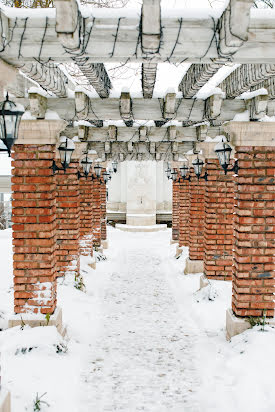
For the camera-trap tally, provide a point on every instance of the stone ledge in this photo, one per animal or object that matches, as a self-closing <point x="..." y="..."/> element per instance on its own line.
<point x="92" y="264"/>
<point x="34" y="320"/>
<point x="105" y="244"/>
<point x="178" y="251"/>
<point x="193" y="266"/>
<point x="153" y="228"/>
<point x="235" y="325"/>
<point x="173" y="242"/>
<point x="203" y="281"/>
<point x="5" y="400"/>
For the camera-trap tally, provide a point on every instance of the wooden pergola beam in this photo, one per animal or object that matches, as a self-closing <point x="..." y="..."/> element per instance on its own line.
<point x="48" y="76"/>
<point x="245" y="77"/>
<point x="148" y="79"/>
<point x="108" y="41"/>
<point x="197" y="76"/>
<point x="96" y="74"/>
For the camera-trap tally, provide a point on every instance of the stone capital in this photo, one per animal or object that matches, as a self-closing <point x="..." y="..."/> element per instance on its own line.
<point x="251" y="133"/>
<point x="40" y="131"/>
<point x="208" y="150"/>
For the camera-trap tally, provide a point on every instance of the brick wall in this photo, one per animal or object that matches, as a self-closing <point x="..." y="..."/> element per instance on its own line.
<point x="96" y="198"/>
<point x="68" y="220"/>
<point x="218" y="224"/>
<point x="196" y="217"/>
<point x="175" y="210"/>
<point x="184" y="213"/>
<point x="103" y="192"/>
<point x="254" y="228"/>
<point x="86" y="216"/>
<point x="34" y="227"/>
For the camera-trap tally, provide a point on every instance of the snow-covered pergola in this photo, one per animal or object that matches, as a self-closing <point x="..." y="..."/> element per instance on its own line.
<point x="116" y="125"/>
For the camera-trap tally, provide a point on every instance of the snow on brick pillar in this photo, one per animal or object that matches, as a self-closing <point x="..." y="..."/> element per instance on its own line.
<point x="96" y="192"/>
<point x="175" y="211"/>
<point x="196" y="217"/>
<point x="34" y="216"/>
<point x="103" y="192"/>
<point x="218" y="226"/>
<point x="254" y="219"/>
<point x="86" y="216"/>
<point x="184" y="213"/>
<point x="68" y="220"/>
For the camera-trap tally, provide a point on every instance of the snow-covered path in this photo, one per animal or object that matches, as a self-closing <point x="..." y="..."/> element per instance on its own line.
<point x="143" y="358"/>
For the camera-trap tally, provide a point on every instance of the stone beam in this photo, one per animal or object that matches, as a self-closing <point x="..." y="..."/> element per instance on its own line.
<point x="112" y="39"/>
<point x="96" y="74"/>
<point x="245" y="77"/>
<point x="148" y="79"/>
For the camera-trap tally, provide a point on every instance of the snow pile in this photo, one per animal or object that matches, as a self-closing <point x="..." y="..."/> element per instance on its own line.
<point x="141" y="337"/>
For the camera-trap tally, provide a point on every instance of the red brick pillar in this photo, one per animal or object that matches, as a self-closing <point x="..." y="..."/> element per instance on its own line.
<point x="86" y="216"/>
<point x="218" y="224"/>
<point x="254" y="221"/>
<point x="96" y="194"/>
<point x="68" y="220"/>
<point x="254" y="232"/>
<point x="175" y="211"/>
<point x="34" y="225"/>
<point x="184" y="213"/>
<point x="196" y="218"/>
<point x="103" y="192"/>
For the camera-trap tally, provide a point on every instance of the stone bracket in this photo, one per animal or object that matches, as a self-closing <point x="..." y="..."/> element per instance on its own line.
<point x="38" y="105"/>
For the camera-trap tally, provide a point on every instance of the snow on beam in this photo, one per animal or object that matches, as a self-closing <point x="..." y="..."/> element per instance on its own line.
<point x="48" y="76"/>
<point x="244" y="77"/>
<point x="197" y="76"/>
<point x="148" y="79"/>
<point x="96" y="75"/>
<point x="150" y="27"/>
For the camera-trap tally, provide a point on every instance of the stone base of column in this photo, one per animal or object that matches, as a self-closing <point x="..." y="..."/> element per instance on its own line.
<point x="5" y="400"/>
<point x="172" y="241"/>
<point x="34" y="320"/>
<point x="178" y="252"/>
<point x="92" y="264"/>
<point x="235" y="325"/>
<point x="203" y="281"/>
<point x="193" y="266"/>
<point x="105" y="244"/>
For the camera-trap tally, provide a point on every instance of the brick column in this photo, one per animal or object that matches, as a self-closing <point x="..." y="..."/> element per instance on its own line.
<point x="218" y="224"/>
<point x="175" y="211"/>
<point x="254" y="223"/>
<point x="68" y="220"/>
<point x="34" y="217"/>
<point x="86" y="216"/>
<point x="96" y="193"/>
<point x="103" y="193"/>
<point x="184" y="213"/>
<point x="196" y="224"/>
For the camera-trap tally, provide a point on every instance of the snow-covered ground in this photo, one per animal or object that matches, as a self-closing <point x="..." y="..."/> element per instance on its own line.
<point x="142" y="338"/>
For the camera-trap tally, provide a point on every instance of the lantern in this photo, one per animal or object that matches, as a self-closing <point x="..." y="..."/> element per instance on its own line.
<point x="114" y="165"/>
<point x="174" y="175"/>
<point x="66" y="150"/>
<point x="223" y="151"/>
<point x="198" y="165"/>
<point x="10" y="116"/>
<point x="97" y="169"/>
<point x="86" y="164"/>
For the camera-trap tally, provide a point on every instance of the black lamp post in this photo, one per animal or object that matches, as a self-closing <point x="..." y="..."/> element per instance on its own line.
<point x="65" y="156"/>
<point x="97" y="169"/>
<point x="198" y="165"/>
<point x="86" y="164"/>
<point x="114" y="165"/>
<point x="184" y="170"/>
<point x="223" y="151"/>
<point x="10" y="117"/>
<point x="106" y="177"/>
